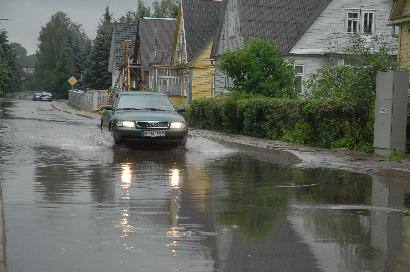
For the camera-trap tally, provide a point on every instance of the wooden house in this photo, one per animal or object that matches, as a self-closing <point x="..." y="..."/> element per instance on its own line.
<point x="191" y="60"/>
<point x="154" y="47"/>
<point x="122" y="54"/>
<point x="400" y="16"/>
<point x="312" y="33"/>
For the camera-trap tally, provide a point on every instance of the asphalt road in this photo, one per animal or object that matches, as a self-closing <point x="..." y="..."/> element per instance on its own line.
<point x="73" y="202"/>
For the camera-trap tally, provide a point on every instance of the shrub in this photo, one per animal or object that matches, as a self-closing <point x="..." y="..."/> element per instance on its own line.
<point x="327" y="123"/>
<point x="260" y="69"/>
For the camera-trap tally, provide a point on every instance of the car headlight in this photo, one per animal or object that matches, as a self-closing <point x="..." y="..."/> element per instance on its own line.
<point x="127" y="124"/>
<point x="178" y="125"/>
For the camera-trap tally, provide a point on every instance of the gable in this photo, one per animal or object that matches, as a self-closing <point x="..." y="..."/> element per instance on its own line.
<point x="330" y="28"/>
<point x="282" y="21"/>
<point x="200" y="20"/>
<point x="156" y="37"/>
<point x="400" y="11"/>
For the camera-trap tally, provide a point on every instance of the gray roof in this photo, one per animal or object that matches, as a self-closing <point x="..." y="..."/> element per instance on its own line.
<point x="201" y="19"/>
<point x="282" y="21"/>
<point x="121" y="32"/>
<point x="156" y="40"/>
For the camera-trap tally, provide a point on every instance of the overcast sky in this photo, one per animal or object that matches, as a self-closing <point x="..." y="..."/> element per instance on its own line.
<point x="28" y="16"/>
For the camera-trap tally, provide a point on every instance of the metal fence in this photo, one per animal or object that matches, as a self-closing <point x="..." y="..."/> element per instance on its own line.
<point x="90" y="100"/>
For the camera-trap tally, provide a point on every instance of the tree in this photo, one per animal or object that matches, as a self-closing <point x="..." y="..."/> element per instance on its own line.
<point x="133" y="17"/>
<point x="97" y="75"/>
<point x="62" y="53"/>
<point x="259" y="69"/>
<point x="165" y="8"/>
<point x="7" y="65"/>
<point x="356" y="82"/>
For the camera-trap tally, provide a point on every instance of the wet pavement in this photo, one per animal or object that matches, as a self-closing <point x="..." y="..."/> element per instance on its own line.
<point x="73" y="202"/>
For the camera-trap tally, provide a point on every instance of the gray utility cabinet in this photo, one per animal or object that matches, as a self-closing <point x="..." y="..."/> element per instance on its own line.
<point x="391" y="112"/>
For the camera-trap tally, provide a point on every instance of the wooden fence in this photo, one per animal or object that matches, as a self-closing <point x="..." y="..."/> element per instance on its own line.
<point x="90" y="100"/>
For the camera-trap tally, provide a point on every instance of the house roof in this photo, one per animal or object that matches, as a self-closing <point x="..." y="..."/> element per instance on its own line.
<point x="201" y="19"/>
<point x="121" y="32"/>
<point x="156" y="39"/>
<point x="396" y="15"/>
<point x="282" y="21"/>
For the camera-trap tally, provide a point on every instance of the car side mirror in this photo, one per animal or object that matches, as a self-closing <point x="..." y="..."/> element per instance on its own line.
<point x="181" y="109"/>
<point x="109" y="107"/>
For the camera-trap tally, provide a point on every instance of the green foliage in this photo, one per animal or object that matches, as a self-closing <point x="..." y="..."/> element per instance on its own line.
<point x="62" y="53"/>
<point x="355" y="83"/>
<point x="10" y="71"/>
<point x="260" y="69"/>
<point x="97" y="75"/>
<point x="328" y="123"/>
<point x="165" y="8"/>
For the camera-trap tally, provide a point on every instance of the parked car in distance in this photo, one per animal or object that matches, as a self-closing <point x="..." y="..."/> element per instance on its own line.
<point x="45" y="96"/>
<point x="36" y="96"/>
<point x="145" y="117"/>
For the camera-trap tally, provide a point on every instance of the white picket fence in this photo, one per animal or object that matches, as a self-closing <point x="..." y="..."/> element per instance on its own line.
<point x="90" y="100"/>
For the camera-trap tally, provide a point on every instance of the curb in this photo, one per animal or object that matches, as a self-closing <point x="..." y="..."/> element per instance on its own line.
<point x="3" y="240"/>
<point x="54" y="106"/>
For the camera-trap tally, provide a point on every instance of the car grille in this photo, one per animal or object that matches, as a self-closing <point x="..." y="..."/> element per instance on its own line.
<point x="152" y="124"/>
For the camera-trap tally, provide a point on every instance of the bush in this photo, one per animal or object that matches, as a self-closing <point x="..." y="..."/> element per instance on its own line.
<point x="326" y="123"/>
<point x="260" y="69"/>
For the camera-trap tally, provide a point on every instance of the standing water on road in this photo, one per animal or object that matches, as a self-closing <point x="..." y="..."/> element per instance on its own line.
<point x="72" y="202"/>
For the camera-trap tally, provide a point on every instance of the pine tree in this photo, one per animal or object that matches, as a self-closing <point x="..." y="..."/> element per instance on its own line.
<point x="165" y="8"/>
<point x="97" y="76"/>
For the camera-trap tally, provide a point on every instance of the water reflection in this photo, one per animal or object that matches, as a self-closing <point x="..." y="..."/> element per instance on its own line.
<point x="186" y="211"/>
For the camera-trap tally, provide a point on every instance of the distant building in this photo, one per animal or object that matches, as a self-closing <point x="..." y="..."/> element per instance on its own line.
<point x="122" y="54"/>
<point x="154" y="45"/>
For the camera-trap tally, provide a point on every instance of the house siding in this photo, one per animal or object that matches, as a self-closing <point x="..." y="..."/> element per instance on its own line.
<point x="404" y="41"/>
<point x="202" y="73"/>
<point x="318" y="37"/>
<point x="310" y="63"/>
<point x="229" y="40"/>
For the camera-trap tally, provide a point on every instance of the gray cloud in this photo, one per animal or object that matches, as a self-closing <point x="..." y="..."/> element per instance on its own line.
<point x="28" y="16"/>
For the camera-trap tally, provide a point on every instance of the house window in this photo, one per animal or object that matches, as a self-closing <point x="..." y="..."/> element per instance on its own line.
<point x="299" y="70"/>
<point x="352" y="22"/>
<point x="368" y="22"/>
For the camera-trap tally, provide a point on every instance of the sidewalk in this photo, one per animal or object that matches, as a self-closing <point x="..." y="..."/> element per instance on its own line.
<point x="292" y="154"/>
<point x="3" y="257"/>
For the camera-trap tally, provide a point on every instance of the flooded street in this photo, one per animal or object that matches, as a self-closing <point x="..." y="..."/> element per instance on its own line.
<point x="73" y="202"/>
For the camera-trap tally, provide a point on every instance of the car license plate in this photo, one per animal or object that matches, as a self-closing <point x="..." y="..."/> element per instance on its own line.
<point x="154" y="133"/>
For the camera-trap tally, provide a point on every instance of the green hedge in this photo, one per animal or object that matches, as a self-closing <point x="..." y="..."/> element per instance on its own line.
<point x="328" y="123"/>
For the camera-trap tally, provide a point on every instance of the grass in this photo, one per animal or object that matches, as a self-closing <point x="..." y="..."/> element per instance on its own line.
<point x="394" y="156"/>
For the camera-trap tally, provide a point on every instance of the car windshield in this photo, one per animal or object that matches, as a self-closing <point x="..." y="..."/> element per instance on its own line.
<point x="145" y="102"/>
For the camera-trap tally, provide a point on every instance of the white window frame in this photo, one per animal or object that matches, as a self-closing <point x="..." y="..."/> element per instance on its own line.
<point x="301" y="75"/>
<point x="364" y="12"/>
<point x="348" y="11"/>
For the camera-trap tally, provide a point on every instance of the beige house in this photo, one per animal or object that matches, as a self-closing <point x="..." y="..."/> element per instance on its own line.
<point x="400" y="16"/>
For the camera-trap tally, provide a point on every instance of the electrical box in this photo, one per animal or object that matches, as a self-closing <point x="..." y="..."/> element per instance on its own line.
<point x="391" y="112"/>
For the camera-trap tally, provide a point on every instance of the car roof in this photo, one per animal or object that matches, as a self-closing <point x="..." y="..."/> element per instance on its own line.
<point x="142" y="93"/>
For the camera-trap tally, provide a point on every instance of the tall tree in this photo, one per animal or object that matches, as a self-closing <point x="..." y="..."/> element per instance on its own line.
<point x="133" y="17"/>
<point x="97" y="76"/>
<point x="142" y="10"/>
<point x="165" y="8"/>
<point x="8" y="66"/>
<point x="61" y="53"/>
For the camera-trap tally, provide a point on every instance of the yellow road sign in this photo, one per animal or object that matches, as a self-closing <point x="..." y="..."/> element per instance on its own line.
<point x="72" y="80"/>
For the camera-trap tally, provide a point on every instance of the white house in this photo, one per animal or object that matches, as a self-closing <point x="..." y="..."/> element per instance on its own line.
<point x="311" y="32"/>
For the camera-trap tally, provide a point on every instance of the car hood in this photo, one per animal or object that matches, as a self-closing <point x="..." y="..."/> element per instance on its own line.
<point x="130" y="115"/>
